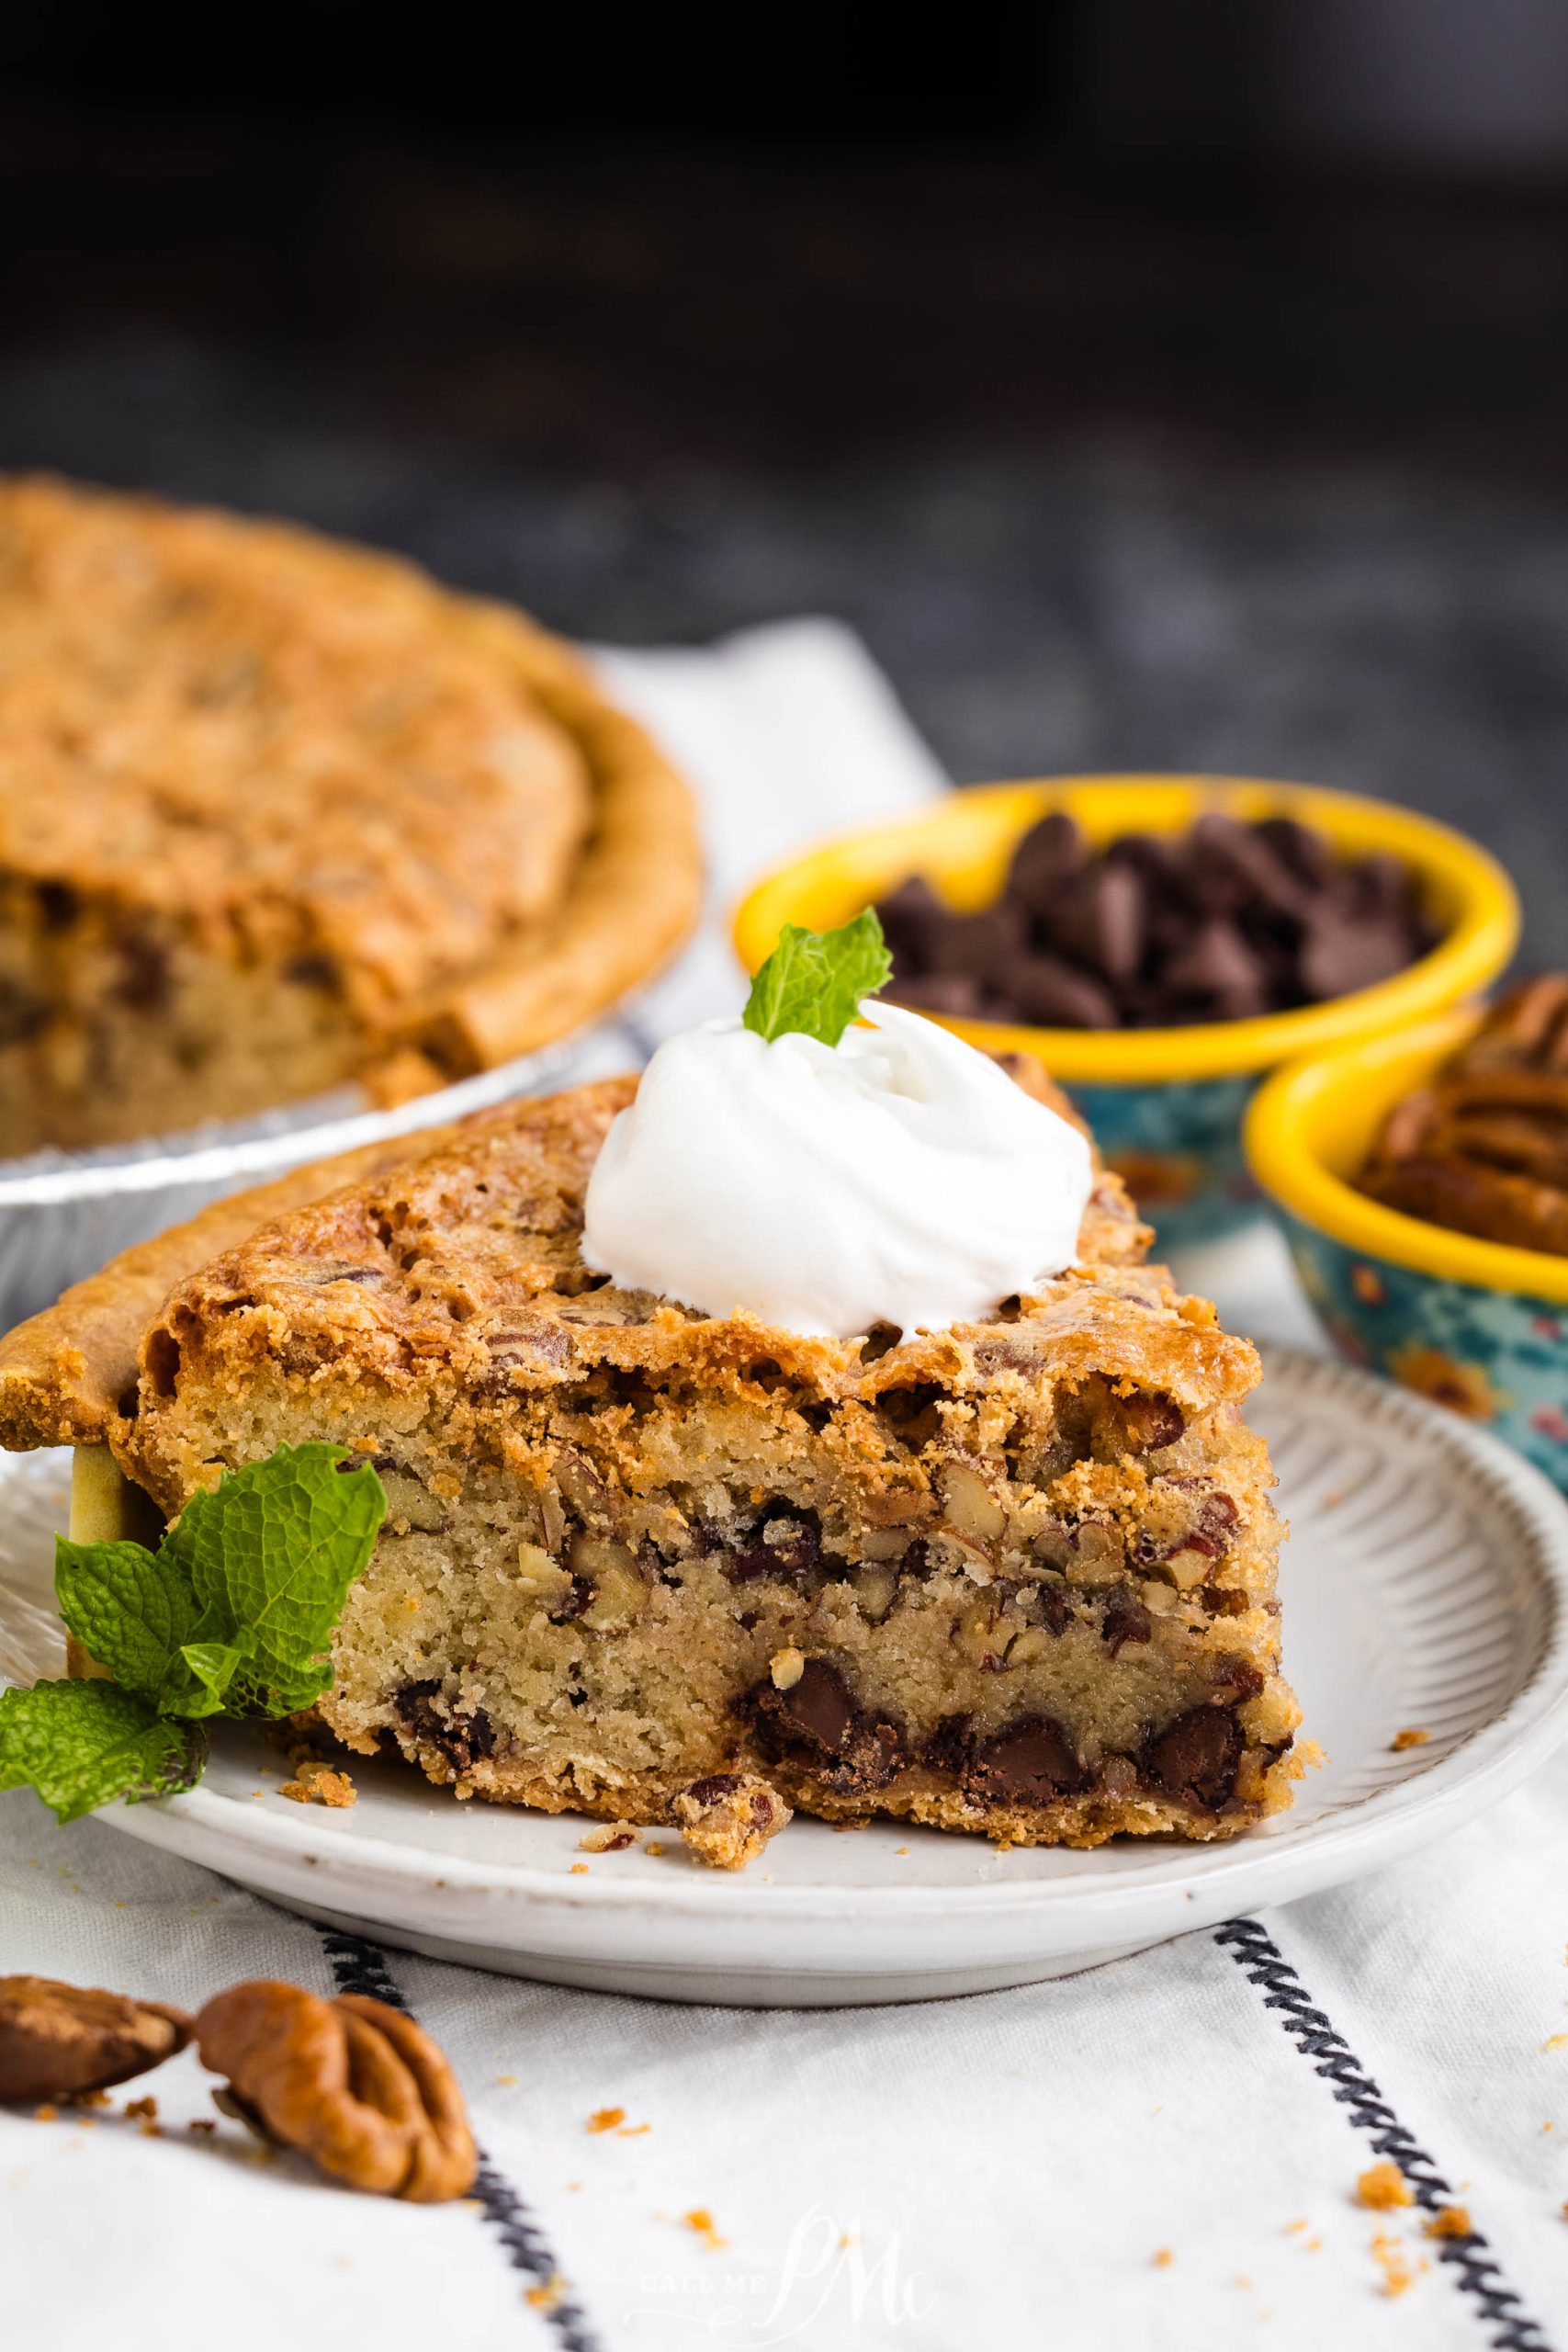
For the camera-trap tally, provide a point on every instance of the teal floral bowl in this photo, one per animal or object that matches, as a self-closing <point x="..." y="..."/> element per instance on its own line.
<point x="1474" y="1326"/>
<point x="1178" y="1148"/>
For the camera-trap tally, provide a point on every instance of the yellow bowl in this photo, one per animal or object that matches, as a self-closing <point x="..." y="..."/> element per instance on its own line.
<point x="1167" y="1103"/>
<point x="1309" y="1131"/>
<point x="1473" y="1324"/>
<point x="963" y="845"/>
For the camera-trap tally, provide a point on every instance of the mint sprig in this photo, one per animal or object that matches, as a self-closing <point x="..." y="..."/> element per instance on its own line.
<point x="232" y="1615"/>
<point x="814" y="981"/>
<point x="82" y="1744"/>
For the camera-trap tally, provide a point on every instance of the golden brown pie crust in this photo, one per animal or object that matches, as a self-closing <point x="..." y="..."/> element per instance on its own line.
<point x="275" y="812"/>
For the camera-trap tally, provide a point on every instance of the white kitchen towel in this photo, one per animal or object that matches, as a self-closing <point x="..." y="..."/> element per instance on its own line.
<point x="786" y="733"/>
<point x="1159" y="2153"/>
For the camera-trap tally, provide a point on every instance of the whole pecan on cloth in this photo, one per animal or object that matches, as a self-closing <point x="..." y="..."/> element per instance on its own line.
<point x="58" y="2041"/>
<point x="350" y="2083"/>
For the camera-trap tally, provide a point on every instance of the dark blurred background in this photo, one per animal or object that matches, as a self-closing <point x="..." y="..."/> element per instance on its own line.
<point x="1171" y="383"/>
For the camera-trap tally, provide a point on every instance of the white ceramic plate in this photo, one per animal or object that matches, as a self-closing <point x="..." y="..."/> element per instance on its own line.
<point x="1424" y="1584"/>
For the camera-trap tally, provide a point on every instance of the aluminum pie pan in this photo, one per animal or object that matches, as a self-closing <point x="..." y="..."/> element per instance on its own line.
<point x="64" y="1214"/>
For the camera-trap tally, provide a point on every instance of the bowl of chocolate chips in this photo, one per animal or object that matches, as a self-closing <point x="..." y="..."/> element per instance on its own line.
<point x="1161" y="943"/>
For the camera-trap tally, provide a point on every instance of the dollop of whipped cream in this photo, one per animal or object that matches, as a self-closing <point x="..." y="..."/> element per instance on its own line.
<point x="898" y="1177"/>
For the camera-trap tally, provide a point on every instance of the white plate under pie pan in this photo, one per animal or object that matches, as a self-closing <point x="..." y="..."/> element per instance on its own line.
<point x="1425" y="1588"/>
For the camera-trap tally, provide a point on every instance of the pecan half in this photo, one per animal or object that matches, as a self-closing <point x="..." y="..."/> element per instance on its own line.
<point x="58" y="2040"/>
<point x="351" y="2083"/>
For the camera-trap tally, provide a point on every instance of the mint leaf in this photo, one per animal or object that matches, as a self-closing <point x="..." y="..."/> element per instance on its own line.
<point x="81" y="1743"/>
<point x="814" y="981"/>
<point x="198" y="1678"/>
<point x="232" y="1615"/>
<point x="127" y="1607"/>
<point x="274" y="1549"/>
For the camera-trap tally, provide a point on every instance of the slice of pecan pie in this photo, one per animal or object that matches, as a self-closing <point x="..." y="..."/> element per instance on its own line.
<point x="1015" y="1577"/>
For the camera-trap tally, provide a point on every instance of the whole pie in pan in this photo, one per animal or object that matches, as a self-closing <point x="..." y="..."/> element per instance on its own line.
<point x="276" y="812"/>
<point x="1014" y="1577"/>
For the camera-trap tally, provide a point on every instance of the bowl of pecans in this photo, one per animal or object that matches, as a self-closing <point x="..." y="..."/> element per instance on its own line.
<point x="1422" y="1181"/>
<point x="1162" y="943"/>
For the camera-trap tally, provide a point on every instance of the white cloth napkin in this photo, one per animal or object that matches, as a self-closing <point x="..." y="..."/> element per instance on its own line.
<point x="1160" y="2154"/>
<point x="786" y="733"/>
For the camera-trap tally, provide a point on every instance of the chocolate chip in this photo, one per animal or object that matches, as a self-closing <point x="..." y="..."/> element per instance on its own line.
<point x="1150" y="855"/>
<point x="1045" y="990"/>
<point x="1297" y="846"/>
<point x="1217" y="966"/>
<point x="1379" y="884"/>
<point x="59" y="904"/>
<point x="818" y="1711"/>
<point x="819" y="1725"/>
<point x="982" y="947"/>
<point x="949" y="993"/>
<point x="947" y="1749"/>
<point x="912" y="919"/>
<point x="1342" y="951"/>
<point x="460" y="1736"/>
<point x="750" y="1565"/>
<point x="714" y="1787"/>
<point x="1255" y="872"/>
<point x="1195" y="1759"/>
<point x="1048" y="855"/>
<point x="1030" y="1763"/>
<point x="1100" y="921"/>
<point x="788" y="1545"/>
